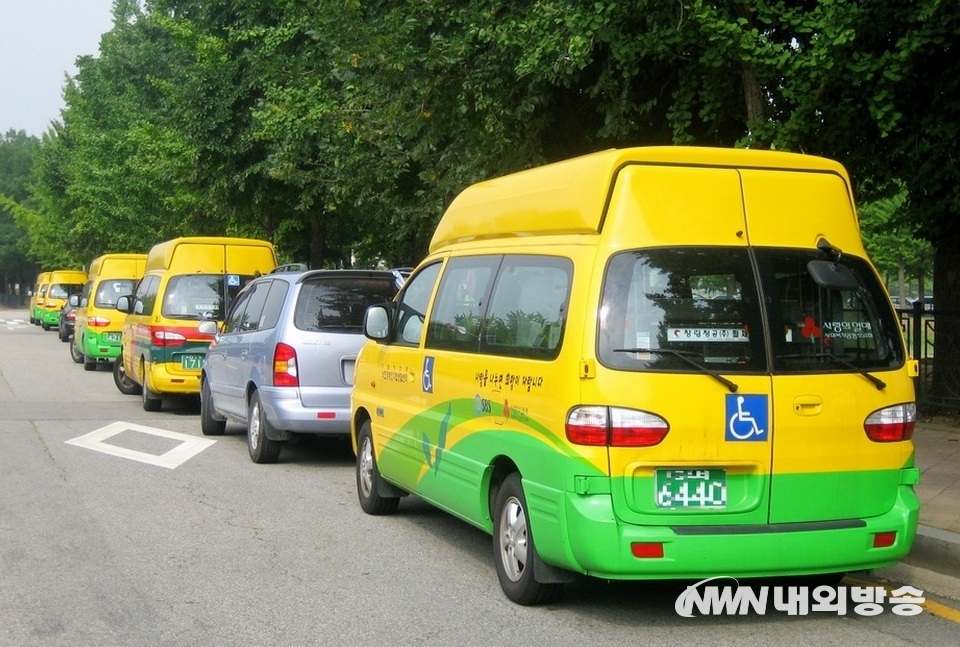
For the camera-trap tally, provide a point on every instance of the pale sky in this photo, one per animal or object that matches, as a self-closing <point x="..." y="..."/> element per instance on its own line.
<point x="39" y="42"/>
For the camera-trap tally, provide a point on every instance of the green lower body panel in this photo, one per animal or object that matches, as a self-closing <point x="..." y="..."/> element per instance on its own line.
<point x="583" y="535"/>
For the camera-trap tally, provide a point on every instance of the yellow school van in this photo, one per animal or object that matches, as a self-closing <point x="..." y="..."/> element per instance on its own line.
<point x="647" y="363"/>
<point x="62" y="284"/>
<point x="98" y="326"/>
<point x="186" y="280"/>
<point x="38" y="295"/>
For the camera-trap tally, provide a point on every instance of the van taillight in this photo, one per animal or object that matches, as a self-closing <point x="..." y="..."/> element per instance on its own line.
<point x="615" y="427"/>
<point x="98" y="322"/>
<point x="285" y="366"/>
<point x="891" y="424"/>
<point x="168" y="338"/>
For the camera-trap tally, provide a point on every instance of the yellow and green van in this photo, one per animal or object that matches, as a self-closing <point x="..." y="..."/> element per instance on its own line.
<point x="38" y="295"/>
<point x="186" y="280"/>
<point x="62" y="284"/>
<point x="98" y="327"/>
<point x="646" y="363"/>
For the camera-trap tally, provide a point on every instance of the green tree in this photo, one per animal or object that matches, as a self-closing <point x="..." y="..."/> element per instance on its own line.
<point x="17" y="153"/>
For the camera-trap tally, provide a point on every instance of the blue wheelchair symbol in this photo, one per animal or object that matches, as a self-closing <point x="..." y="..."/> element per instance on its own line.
<point x="746" y="417"/>
<point x="427" y="380"/>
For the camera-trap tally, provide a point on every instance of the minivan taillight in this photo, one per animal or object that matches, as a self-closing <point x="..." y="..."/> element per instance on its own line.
<point x="285" y="366"/>
<point x="891" y="424"/>
<point x="615" y="427"/>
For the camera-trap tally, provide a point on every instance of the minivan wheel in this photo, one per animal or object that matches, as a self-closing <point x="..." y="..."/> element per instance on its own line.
<point x="75" y="354"/>
<point x="89" y="364"/>
<point x="262" y="449"/>
<point x="368" y="477"/>
<point x="513" y="548"/>
<point x="209" y="425"/>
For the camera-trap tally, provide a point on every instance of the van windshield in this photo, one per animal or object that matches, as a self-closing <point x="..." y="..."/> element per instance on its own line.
<point x="201" y="296"/>
<point x="703" y="309"/>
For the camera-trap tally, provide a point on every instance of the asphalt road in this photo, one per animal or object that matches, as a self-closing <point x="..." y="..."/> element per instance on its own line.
<point x="122" y="527"/>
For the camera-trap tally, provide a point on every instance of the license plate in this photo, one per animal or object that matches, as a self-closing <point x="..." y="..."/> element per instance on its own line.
<point x="192" y="361"/>
<point x="112" y="337"/>
<point x="691" y="488"/>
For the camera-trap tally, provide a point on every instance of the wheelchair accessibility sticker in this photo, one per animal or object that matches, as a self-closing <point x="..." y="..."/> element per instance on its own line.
<point x="747" y="417"/>
<point x="427" y="380"/>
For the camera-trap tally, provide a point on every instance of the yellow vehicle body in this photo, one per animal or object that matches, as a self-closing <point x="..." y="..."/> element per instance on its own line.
<point x="39" y="293"/>
<point x="185" y="280"/>
<point x="683" y="355"/>
<point x="98" y="325"/>
<point x="61" y="284"/>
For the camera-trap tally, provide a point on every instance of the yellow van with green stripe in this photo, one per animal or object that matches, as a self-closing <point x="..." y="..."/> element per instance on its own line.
<point x="646" y="363"/>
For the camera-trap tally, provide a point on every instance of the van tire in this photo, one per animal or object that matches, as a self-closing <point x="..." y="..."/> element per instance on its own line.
<point x="151" y="401"/>
<point x="75" y="354"/>
<point x="89" y="364"/>
<point x="262" y="449"/>
<point x="514" y="552"/>
<point x="123" y="381"/>
<point x="369" y="479"/>
<point x="209" y="425"/>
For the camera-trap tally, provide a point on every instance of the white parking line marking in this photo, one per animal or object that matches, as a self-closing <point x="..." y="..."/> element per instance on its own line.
<point x="189" y="446"/>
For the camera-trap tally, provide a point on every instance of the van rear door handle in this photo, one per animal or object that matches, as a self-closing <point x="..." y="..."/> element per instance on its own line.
<point x="808" y="405"/>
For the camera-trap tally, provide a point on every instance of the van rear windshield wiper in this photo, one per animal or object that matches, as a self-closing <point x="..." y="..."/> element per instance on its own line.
<point x="876" y="381"/>
<point x="685" y="356"/>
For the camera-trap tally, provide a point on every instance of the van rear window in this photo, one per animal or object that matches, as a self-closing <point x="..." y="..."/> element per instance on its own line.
<point x="690" y="309"/>
<point x="337" y="304"/>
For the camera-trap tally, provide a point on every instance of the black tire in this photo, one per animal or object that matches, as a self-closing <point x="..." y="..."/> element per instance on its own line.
<point x="368" y="477"/>
<point x="63" y="334"/>
<point x="261" y="448"/>
<point x="209" y="425"/>
<point x="124" y="383"/>
<point x="513" y="548"/>
<point x="75" y="354"/>
<point x="44" y="325"/>
<point x="89" y="364"/>
<point x="151" y="401"/>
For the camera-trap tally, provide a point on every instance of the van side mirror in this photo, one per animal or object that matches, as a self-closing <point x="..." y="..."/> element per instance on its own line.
<point x="124" y="303"/>
<point x="74" y="300"/>
<point x="376" y="323"/>
<point x="208" y="327"/>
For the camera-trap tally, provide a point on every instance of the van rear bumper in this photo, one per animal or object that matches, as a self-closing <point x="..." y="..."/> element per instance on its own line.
<point x="162" y="380"/>
<point x="597" y="544"/>
<point x="284" y="410"/>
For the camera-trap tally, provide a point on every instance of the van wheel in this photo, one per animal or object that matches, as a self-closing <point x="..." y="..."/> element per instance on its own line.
<point x="121" y="379"/>
<point x="75" y="354"/>
<point x="209" y="425"/>
<point x="368" y="477"/>
<point x="514" y="550"/>
<point x="45" y="325"/>
<point x="89" y="364"/>
<point x="262" y="449"/>
<point x="152" y="401"/>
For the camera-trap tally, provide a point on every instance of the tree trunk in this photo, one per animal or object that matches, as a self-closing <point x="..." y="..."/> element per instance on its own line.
<point x="945" y="388"/>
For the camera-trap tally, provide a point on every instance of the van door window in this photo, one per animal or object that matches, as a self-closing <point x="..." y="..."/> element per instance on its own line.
<point x="528" y="307"/>
<point x="681" y="310"/>
<point x="146" y="295"/>
<point x="461" y="299"/>
<point x="818" y="326"/>
<point x="412" y="305"/>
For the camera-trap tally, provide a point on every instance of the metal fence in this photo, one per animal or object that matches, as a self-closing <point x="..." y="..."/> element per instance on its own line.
<point x="935" y="393"/>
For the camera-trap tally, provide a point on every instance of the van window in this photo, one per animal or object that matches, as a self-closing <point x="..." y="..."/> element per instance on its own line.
<point x="234" y="320"/>
<point x="146" y="295"/>
<point x="412" y="305"/>
<point x="457" y="314"/>
<point x="338" y="303"/>
<point x="528" y="307"/>
<point x="818" y="328"/>
<point x="665" y="308"/>
<point x="109" y="290"/>
<point x="64" y="290"/>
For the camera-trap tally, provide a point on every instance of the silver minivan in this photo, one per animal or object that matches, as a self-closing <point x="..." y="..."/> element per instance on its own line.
<point x="282" y="363"/>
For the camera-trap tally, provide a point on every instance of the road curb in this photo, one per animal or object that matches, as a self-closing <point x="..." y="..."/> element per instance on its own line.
<point x="936" y="550"/>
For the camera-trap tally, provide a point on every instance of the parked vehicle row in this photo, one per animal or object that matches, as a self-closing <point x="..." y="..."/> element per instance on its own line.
<point x="609" y="371"/>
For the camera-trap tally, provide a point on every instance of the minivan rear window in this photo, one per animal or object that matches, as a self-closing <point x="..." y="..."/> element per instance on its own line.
<point x="337" y="304"/>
